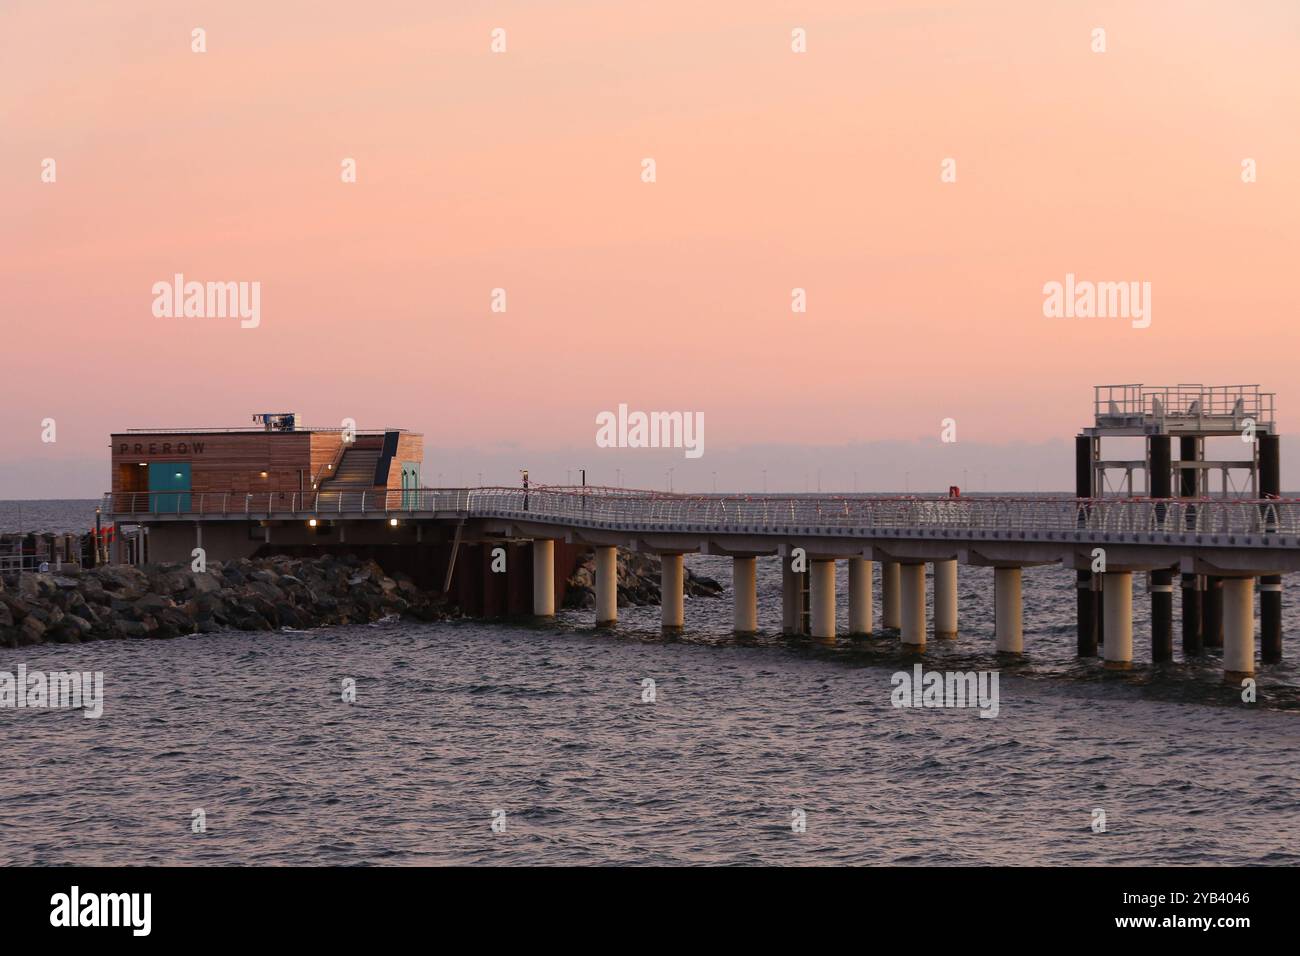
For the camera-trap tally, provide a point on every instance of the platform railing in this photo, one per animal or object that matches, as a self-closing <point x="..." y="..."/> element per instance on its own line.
<point x="747" y="514"/>
<point x="1206" y="403"/>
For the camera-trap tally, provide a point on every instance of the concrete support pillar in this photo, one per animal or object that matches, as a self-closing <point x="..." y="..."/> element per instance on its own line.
<point x="1099" y="606"/>
<point x="1117" y="636"/>
<point x="744" y="581"/>
<point x="791" y="599"/>
<point x="544" y="578"/>
<point x="822" y="593"/>
<point x="1008" y="623"/>
<point x="1238" y="626"/>
<point x="1162" y="615"/>
<point x="860" y="602"/>
<point x="945" y="598"/>
<point x="606" y="586"/>
<point x="889" y="595"/>
<point x="805" y="602"/>
<point x="911" y="604"/>
<point x="672" y="591"/>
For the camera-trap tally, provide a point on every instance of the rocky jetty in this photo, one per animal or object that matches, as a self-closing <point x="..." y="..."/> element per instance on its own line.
<point x="71" y="606"/>
<point x="260" y="594"/>
<point x="638" y="581"/>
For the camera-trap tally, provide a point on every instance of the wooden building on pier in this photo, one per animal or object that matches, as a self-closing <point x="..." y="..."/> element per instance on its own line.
<point x="161" y="471"/>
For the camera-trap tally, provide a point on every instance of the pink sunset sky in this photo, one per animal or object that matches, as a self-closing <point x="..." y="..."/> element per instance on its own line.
<point x="522" y="170"/>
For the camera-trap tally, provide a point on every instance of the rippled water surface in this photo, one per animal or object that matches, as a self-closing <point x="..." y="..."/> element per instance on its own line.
<point x="456" y="720"/>
<point x="58" y="515"/>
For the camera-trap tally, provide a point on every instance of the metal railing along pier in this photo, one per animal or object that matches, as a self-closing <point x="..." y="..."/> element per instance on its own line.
<point x="644" y="511"/>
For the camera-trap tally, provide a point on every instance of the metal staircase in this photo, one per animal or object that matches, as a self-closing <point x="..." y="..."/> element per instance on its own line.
<point x="356" y="469"/>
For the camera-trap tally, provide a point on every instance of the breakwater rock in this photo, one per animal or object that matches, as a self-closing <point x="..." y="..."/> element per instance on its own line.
<point x="638" y="581"/>
<point x="166" y="600"/>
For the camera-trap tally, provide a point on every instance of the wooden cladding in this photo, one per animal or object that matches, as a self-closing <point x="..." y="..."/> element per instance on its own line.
<point x="410" y="447"/>
<point x="324" y="449"/>
<point x="242" y="462"/>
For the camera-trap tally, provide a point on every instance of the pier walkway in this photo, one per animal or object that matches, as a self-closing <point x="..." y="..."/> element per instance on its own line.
<point x="1215" y="524"/>
<point x="1218" y="544"/>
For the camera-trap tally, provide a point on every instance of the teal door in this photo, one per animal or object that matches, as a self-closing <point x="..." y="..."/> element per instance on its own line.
<point x="410" y="485"/>
<point x="169" y="476"/>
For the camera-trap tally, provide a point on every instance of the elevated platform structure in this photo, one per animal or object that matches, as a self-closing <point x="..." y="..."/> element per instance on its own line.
<point x="1192" y="414"/>
<point x="1206" y="411"/>
<point x="1240" y="417"/>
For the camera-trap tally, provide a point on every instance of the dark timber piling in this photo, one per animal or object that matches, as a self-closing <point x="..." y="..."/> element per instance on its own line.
<point x="1193" y="585"/>
<point x="1212" y="612"/>
<point x="1270" y="585"/>
<point x="1086" y="592"/>
<point x="1162" y="579"/>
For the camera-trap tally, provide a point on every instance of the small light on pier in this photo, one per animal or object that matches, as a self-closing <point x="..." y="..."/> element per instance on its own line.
<point x="311" y="522"/>
<point x="392" y="522"/>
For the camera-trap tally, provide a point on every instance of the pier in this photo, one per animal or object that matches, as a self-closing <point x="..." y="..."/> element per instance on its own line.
<point x="1166" y="522"/>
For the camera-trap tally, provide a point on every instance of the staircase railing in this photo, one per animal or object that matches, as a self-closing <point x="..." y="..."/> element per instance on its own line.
<point x="332" y="467"/>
